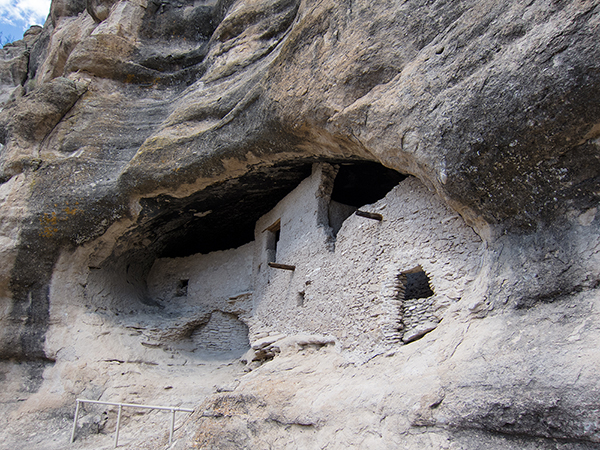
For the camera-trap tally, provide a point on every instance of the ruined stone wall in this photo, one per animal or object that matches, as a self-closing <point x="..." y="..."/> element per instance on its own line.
<point x="211" y="295"/>
<point x="212" y="279"/>
<point x="352" y="288"/>
<point x="304" y="241"/>
<point x="223" y="333"/>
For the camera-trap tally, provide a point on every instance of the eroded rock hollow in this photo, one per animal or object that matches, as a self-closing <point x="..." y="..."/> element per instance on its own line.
<point x="319" y="224"/>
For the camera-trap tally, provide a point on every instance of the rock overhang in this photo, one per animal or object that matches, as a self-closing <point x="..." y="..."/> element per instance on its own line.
<point x="223" y="215"/>
<point x="456" y="157"/>
<point x="493" y="106"/>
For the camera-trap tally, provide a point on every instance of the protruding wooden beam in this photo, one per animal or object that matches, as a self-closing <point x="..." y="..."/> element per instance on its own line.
<point x="281" y="266"/>
<point x="369" y="215"/>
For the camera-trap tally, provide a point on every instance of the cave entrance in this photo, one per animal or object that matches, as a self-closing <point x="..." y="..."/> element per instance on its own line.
<point x="223" y="216"/>
<point x="356" y="185"/>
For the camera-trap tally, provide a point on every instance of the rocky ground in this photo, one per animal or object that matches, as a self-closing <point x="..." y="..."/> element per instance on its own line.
<point x="512" y="381"/>
<point x="33" y="421"/>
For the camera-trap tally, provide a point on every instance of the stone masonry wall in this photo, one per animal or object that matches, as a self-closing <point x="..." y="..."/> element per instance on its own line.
<point x="350" y="286"/>
<point x="353" y="289"/>
<point x="209" y="295"/>
<point x="223" y="333"/>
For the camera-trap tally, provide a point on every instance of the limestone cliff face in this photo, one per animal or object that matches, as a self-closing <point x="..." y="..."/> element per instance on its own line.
<point x="137" y="130"/>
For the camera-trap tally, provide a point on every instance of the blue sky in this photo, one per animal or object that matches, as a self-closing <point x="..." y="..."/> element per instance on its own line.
<point x="16" y="16"/>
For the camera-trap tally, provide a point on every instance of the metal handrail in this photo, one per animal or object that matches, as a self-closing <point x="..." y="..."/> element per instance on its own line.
<point x="173" y="410"/>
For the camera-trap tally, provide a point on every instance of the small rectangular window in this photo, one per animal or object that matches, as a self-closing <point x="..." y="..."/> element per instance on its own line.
<point x="182" y="288"/>
<point x="272" y="239"/>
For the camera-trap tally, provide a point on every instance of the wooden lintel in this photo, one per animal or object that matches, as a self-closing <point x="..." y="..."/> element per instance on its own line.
<point x="281" y="266"/>
<point x="369" y="215"/>
<point x="274" y="227"/>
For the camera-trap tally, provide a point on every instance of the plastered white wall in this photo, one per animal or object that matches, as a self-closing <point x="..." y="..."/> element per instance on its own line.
<point x="214" y="279"/>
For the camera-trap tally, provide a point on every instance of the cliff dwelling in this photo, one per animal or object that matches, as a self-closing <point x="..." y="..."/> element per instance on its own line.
<point x="315" y="224"/>
<point x="368" y="282"/>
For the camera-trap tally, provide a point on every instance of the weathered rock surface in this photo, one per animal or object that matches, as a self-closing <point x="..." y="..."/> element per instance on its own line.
<point x="132" y="131"/>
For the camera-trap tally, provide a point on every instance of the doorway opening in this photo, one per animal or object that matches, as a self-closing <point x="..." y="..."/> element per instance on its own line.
<point x="358" y="184"/>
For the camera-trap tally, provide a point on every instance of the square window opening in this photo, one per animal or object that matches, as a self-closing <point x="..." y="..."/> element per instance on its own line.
<point x="182" y="288"/>
<point x="417" y="284"/>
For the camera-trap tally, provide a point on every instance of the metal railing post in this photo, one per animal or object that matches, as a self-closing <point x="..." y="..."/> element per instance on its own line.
<point x="118" y="425"/>
<point x="75" y="422"/>
<point x="172" y="426"/>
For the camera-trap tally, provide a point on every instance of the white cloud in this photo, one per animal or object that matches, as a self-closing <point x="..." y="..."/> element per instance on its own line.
<point x="24" y="12"/>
